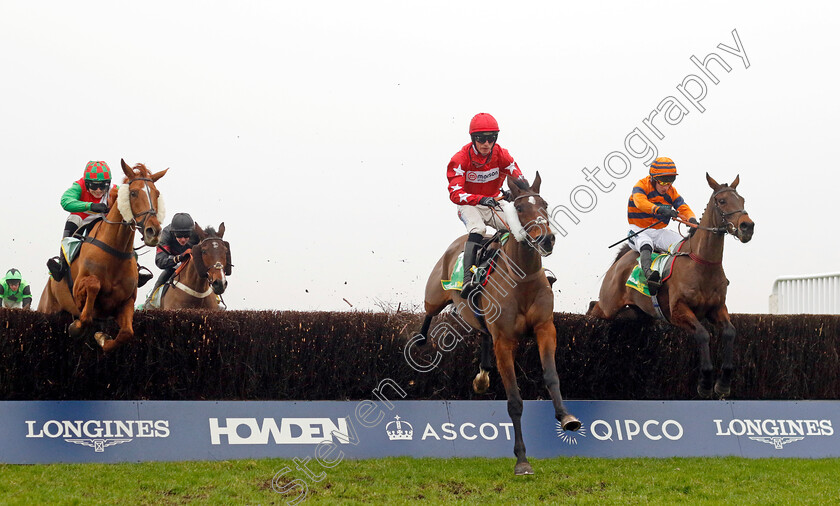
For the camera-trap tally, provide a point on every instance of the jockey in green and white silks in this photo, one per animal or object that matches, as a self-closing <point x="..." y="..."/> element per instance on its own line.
<point x="14" y="291"/>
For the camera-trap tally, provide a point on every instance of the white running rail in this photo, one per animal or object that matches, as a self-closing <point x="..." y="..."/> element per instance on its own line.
<point x="817" y="294"/>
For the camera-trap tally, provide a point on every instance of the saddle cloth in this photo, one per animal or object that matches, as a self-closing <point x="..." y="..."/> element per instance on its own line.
<point x="661" y="262"/>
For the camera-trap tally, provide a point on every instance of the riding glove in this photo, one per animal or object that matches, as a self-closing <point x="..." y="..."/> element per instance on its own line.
<point x="98" y="207"/>
<point x="488" y="201"/>
<point x="693" y="220"/>
<point x="667" y="211"/>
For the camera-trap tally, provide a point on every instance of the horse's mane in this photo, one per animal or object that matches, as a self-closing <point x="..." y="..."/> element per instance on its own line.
<point x="211" y="232"/>
<point x="624" y="249"/>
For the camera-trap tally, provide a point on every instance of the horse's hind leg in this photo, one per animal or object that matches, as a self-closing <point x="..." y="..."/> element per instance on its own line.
<point x="482" y="380"/>
<point x="547" y="343"/>
<point x="505" y="349"/>
<point x="727" y="333"/>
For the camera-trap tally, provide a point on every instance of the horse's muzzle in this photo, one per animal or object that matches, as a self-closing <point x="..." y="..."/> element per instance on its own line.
<point x="544" y="244"/>
<point x="151" y="236"/>
<point x="746" y="227"/>
<point x="219" y="286"/>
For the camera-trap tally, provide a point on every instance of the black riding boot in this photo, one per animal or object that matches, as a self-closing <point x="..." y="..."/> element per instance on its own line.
<point x="57" y="265"/>
<point x="651" y="275"/>
<point x="470" y="249"/>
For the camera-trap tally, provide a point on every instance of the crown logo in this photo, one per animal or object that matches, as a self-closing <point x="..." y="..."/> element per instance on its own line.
<point x="399" y="430"/>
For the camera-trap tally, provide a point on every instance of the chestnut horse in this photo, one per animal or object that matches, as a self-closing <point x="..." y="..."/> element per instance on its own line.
<point x="204" y="275"/>
<point x="104" y="275"/>
<point x="696" y="289"/>
<point x="515" y="302"/>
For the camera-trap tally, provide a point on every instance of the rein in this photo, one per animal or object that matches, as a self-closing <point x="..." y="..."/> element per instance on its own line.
<point x="727" y="227"/>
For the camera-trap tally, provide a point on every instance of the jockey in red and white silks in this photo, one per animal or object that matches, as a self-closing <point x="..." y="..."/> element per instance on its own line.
<point x="476" y="174"/>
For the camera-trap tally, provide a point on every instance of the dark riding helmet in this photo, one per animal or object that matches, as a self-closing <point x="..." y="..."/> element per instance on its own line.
<point x="182" y="223"/>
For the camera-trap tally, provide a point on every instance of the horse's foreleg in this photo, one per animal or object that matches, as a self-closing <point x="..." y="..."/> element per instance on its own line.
<point x="684" y="317"/>
<point x="84" y="292"/>
<point x="547" y="343"/>
<point x="482" y="380"/>
<point x="727" y="334"/>
<point x="505" y="349"/>
<point x="125" y="322"/>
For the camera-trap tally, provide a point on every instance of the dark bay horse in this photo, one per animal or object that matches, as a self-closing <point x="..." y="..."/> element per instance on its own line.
<point x="697" y="287"/>
<point x="204" y="274"/>
<point x="517" y="301"/>
<point x="104" y="275"/>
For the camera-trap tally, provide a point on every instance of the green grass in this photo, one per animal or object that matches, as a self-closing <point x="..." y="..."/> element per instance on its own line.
<point x="404" y="480"/>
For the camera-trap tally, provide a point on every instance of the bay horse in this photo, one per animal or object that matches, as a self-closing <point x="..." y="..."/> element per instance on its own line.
<point x="203" y="275"/>
<point x="515" y="302"/>
<point x="104" y="274"/>
<point x="697" y="287"/>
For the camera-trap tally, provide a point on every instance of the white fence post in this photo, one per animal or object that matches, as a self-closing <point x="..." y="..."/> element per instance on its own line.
<point x="817" y="294"/>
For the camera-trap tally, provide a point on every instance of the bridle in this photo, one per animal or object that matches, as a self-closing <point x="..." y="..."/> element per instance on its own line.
<point x="218" y="265"/>
<point x="151" y="211"/>
<point x="728" y="226"/>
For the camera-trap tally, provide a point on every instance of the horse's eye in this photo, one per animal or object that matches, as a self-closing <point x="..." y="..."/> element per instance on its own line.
<point x="133" y="193"/>
<point x="518" y="209"/>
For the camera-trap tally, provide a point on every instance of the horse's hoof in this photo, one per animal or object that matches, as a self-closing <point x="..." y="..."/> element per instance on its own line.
<point x="101" y="338"/>
<point x="74" y="329"/>
<point x="523" y="468"/>
<point x="481" y="382"/>
<point x="570" y="422"/>
<point x="704" y="392"/>
<point x="722" y="391"/>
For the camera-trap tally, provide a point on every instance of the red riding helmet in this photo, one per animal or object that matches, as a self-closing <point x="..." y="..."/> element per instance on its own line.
<point x="483" y="122"/>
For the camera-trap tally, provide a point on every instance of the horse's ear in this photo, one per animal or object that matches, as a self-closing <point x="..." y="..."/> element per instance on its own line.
<point x="221" y="231"/>
<point x="737" y="180"/>
<point x="712" y="183"/>
<point x="158" y="175"/>
<point x="199" y="232"/>
<point x="535" y="186"/>
<point x="514" y="189"/>
<point x="126" y="169"/>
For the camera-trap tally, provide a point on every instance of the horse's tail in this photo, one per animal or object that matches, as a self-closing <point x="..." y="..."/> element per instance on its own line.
<point x="624" y="249"/>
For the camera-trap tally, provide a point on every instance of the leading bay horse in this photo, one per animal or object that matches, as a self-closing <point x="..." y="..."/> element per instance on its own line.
<point x="516" y="301"/>
<point x="104" y="274"/>
<point x="697" y="287"/>
<point x="204" y="274"/>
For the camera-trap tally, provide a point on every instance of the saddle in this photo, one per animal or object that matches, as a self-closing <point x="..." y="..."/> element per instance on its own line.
<point x="485" y="262"/>
<point x="661" y="262"/>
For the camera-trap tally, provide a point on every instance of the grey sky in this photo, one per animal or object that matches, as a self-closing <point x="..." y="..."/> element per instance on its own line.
<point x="319" y="132"/>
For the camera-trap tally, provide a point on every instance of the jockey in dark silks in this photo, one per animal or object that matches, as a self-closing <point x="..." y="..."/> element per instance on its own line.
<point x="87" y="200"/>
<point x="14" y="291"/>
<point x="175" y="240"/>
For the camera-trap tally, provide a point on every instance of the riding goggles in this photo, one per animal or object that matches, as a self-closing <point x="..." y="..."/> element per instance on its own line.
<point x="482" y="138"/>
<point x="665" y="180"/>
<point x="182" y="235"/>
<point x="97" y="185"/>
